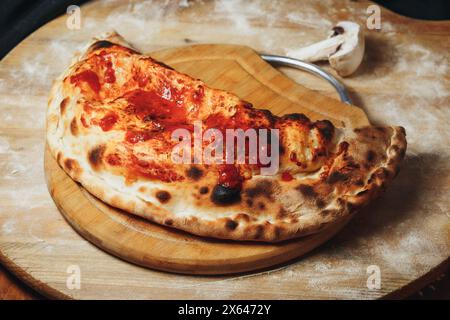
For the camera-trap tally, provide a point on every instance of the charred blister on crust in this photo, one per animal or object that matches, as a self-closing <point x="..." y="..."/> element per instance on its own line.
<point x="343" y="147"/>
<point x="371" y="156"/>
<point x="142" y="189"/>
<point x="63" y="105"/>
<point x="115" y="200"/>
<point x="259" y="232"/>
<point x="268" y="115"/>
<point x="264" y="188"/>
<point x="243" y="217"/>
<point x="336" y="177"/>
<point x="282" y="213"/>
<point x="350" y="163"/>
<point x="74" y="127"/>
<point x="320" y="203"/>
<point x="277" y="231"/>
<point x="306" y="190"/>
<point x="195" y="173"/>
<point x="296" y="117"/>
<point x="95" y="156"/>
<point x="326" y="129"/>
<point x="203" y="190"/>
<point x="168" y="222"/>
<point x="58" y="157"/>
<point x="231" y="224"/>
<point x="163" y="196"/>
<point x="105" y="44"/>
<point x="72" y="166"/>
<point x="101" y="44"/>
<point x="69" y="164"/>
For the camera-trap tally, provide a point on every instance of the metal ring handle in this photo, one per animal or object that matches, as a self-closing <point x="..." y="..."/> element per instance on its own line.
<point x="311" y="68"/>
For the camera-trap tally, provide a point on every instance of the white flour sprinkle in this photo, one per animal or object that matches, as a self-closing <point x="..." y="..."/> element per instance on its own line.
<point x="238" y="11"/>
<point x="9" y="226"/>
<point x="32" y="70"/>
<point x="311" y="19"/>
<point x="322" y="267"/>
<point x="4" y="145"/>
<point x="183" y="3"/>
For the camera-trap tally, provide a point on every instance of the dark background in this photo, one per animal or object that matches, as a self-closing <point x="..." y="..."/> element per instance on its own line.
<point x="19" y="18"/>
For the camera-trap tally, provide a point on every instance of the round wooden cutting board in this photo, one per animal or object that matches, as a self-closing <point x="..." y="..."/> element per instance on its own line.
<point x="403" y="80"/>
<point x="236" y="69"/>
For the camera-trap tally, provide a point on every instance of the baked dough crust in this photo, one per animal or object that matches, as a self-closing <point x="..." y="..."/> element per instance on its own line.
<point x="359" y="165"/>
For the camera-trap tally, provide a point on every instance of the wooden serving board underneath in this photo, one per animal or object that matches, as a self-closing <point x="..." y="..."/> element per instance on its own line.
<point x="403" y="80"/>
<point x="236" y="69"/>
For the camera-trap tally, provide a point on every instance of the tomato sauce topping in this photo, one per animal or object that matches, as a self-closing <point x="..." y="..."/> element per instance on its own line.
<point x="113" y="159"/>
<point x="89" y="77"/>
<point x="150" y="106"/>
<point x="141" y="78"/>
<point x="198" y="95"/>
<point x="135" y="136"/>
<point x="230" y="177"/>
<point x="110" y="74"/>
<point x="286" y="176"/>
<point x="108" y="121"/>
<point x="103" y="61"/>
<point x="218" y="121"/>
<point x="83" y="121"/>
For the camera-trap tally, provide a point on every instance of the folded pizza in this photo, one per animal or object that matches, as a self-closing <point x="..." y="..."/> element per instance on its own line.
<point x="135" y="133"/>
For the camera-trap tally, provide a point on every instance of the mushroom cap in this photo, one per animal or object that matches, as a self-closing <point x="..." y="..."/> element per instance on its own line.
<point x="349" y="54"/>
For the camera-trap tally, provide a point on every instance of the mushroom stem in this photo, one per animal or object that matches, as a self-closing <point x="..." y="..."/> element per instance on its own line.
<point x="318" y="51"/>
<point x="344" y="48"/>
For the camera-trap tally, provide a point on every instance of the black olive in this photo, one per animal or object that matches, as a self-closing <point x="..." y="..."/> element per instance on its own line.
<point x="223" y="195"/>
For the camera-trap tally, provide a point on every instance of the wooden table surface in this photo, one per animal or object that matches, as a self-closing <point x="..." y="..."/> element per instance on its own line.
<point x="404" y="80"/>
<point x="12" y="288"/>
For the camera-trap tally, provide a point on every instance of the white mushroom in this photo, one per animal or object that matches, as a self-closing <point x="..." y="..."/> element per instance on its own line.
<point x="344" y="48"/>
